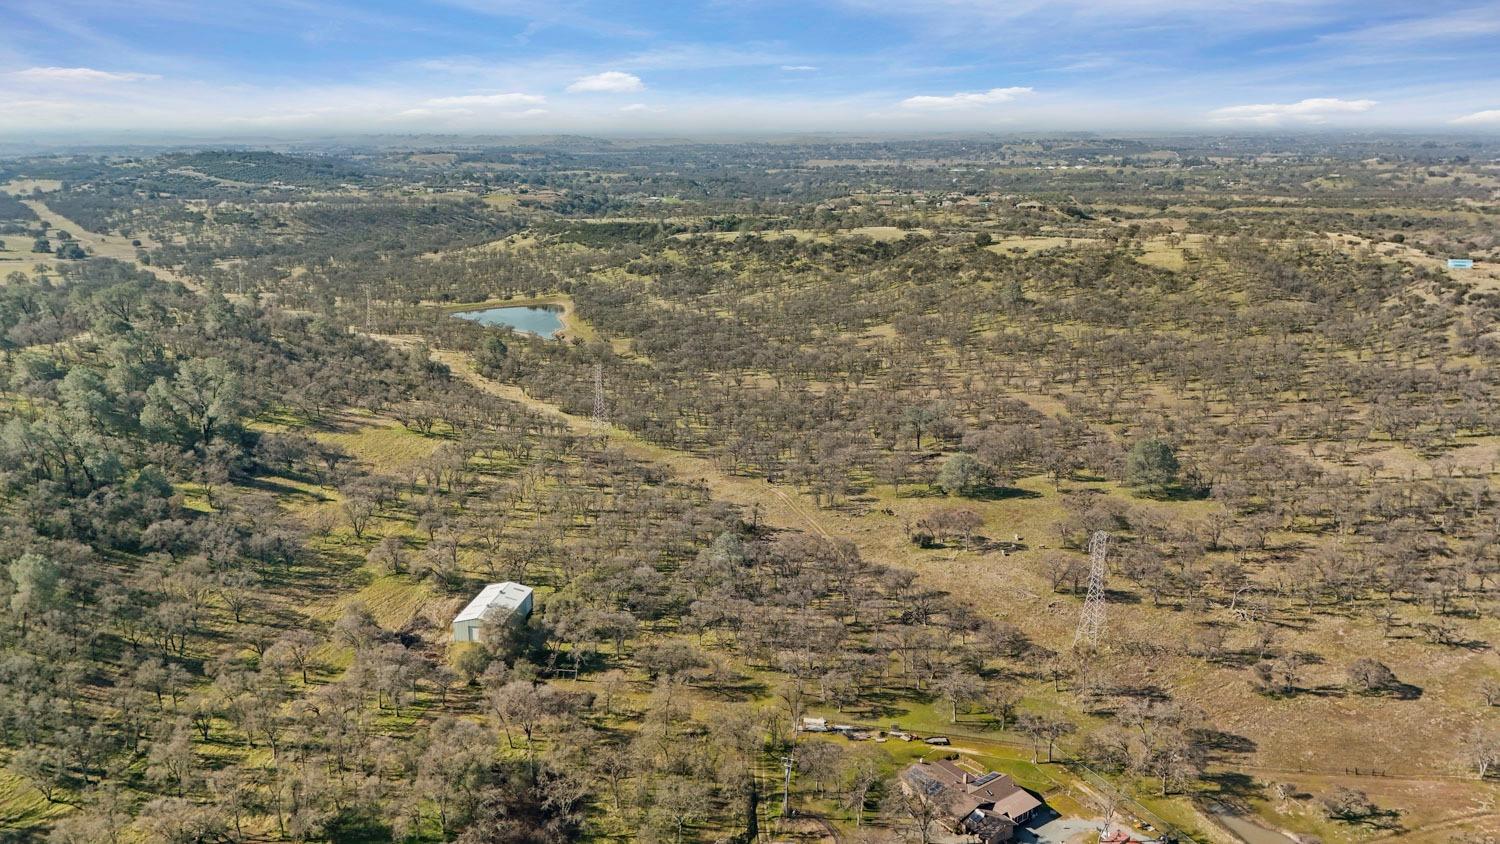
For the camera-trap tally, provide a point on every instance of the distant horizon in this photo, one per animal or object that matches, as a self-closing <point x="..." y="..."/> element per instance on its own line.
<point x="63" y="143"/>
<point x="697" y="68"/>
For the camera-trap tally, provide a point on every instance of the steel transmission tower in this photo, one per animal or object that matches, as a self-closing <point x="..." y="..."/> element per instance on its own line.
<point x="1091" y="619"/>
<point x="601" y="420"/>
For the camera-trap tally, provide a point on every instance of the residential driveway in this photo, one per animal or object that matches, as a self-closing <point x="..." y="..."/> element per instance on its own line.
<point x="1050" y="828"/>
<point x="1058" y="831"/>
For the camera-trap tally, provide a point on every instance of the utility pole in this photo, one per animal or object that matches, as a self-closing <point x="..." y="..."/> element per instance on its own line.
<point x="786" y="787"/>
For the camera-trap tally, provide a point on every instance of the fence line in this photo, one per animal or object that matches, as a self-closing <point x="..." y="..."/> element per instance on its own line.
<point x="1133" y="806"/>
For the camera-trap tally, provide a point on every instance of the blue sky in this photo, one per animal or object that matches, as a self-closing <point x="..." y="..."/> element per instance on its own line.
<point x="737" y="66"/>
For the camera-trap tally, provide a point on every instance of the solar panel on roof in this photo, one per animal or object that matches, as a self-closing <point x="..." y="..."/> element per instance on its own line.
<point x="926" y="783"/>
<point x="987" y="778"/>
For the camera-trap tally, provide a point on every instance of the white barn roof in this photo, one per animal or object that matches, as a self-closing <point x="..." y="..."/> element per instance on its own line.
<point x="506" y="596"/>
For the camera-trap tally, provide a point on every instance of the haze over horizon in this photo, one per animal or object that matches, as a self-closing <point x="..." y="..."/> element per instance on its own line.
<point x="288" y="67"/>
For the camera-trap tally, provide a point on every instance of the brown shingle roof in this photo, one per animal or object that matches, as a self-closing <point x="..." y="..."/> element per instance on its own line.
<point x="967" y="792"/>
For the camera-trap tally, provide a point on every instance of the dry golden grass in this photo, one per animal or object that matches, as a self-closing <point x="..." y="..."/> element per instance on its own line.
<point x="103" y="245"/>
<point x="1026" y="243"/>
<point x="1169" y="253"/>
<point x="1313" y="736"/>
<point x="382" y="444"/>
<point x="24" y="187"/>
<point x="21" y="805"/>
<point x="1485" y="276"/>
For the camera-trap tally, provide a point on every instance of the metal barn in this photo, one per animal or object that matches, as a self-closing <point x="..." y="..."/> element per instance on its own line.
<point x="495" y="602"/>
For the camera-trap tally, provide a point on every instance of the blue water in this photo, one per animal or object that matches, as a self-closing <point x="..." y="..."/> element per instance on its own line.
<point x="541" y="320"/>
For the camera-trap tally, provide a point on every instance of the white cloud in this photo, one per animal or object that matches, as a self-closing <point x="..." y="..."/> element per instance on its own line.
<point x="1480" y="118"/>
<point x="798" y="68"/>
<point x="80" y="74"/>
<point x="1312" y="110"/>
<point x="608" y="82"/>
<point x="513" y="99"/>
<point x="977" y="99"/>
<point x="1089" y="63"/>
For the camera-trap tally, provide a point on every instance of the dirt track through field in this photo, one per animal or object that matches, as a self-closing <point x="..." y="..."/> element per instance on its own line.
<point x="104" y="245"/>
<point x="777" y="507"/>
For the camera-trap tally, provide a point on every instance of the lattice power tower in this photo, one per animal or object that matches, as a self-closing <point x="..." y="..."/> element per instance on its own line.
<point x="1091" y="620"/>
<point x="601" y="416"/>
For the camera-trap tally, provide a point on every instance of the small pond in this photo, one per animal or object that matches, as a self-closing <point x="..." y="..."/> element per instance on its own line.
<point x="541" y="320"/>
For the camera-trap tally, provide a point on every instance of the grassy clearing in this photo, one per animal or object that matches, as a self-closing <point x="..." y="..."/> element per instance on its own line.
<point x="1432" y="811"/>
<point x="1169" y="253"/>
<point x="106" y="246"/>
<point x="1027" y="244"/>
<point x="383" y="444"/>
<point x="879" y="234"/>
<point x="24" y="262"/>
<point x="396" y="600"/>
<point x="21" y="805"/>
<point x="885" y="234"/>
<point x="24" y="187"/>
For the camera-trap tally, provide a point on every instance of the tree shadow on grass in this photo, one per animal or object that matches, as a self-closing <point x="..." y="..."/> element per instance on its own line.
<point x="1399" y="691"/>
<point x="589" y="663"/>
<point x="1221" y="743"/>
<point x="734" y="689"/>
<point x="1476" y="645"/>
<point x="1329" y="690"/>
<point x="880" y="705"/>
<point x="271" y="484"/>
<point x="1000" y="493"/>
<point x="1406" y="691"/>
<point x="1388" y="820"/>
<point x="985" y="545"/>
<point x="1235" y="659"/>
<point x="1144" y="691"/>
<point x="1236" y="789"/>
<point x="1174" y="493"/>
